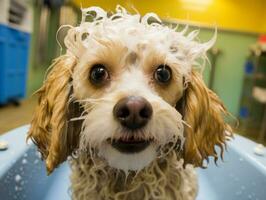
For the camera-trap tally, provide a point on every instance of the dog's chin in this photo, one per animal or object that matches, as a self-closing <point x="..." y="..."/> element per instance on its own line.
<point x="128" y="155"/>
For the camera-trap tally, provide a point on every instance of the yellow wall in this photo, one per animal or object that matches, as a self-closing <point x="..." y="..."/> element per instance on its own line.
<point x="239" y="15"/>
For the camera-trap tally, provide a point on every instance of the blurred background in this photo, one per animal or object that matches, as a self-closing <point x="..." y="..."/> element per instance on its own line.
<point x="238" y="74"/>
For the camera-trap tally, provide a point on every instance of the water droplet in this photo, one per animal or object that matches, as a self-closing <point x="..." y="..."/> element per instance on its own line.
<point x="17" y="178"/>
<point x="243" y="187"/>
<point x="241" y="159"/>
<point x="75" y="154"/>
<point x="259" y="150"/>
<point x="38" y="154"/>
<point x="24" y="161"/>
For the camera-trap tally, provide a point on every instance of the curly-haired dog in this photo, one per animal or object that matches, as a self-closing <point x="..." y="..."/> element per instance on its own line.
<point x="128" y="106"/>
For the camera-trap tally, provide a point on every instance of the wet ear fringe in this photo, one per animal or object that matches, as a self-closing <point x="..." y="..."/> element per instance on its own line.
<point x="205" y="113"/>
<point x="48" y="127"/>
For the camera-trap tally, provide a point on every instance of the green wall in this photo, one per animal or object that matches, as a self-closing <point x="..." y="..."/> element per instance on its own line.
<point x="229" y="69"/>
<point x="35" y="80"/>
<point x="229" y="65"/>
<point x="38" y="68"/>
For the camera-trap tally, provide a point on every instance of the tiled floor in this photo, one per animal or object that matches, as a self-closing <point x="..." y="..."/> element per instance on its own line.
<point x="12" y="116"/>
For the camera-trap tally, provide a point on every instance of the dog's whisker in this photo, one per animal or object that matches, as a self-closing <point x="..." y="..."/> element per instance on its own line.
<point x="77" y="118"/>
<point x="95" y="101"/>
<point x="84" y="112"/>
<point x="71" y="98"/>
<point x="185" y="123"/>
<point x="89" y="100"/>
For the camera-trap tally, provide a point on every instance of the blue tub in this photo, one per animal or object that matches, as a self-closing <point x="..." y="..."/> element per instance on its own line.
<point x="242" y="175"/>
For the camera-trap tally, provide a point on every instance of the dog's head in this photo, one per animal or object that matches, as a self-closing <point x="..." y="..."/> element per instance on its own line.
<point x="127" y="90"/>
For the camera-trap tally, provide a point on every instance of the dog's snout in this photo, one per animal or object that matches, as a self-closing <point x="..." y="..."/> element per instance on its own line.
<point x="133" y="112"/>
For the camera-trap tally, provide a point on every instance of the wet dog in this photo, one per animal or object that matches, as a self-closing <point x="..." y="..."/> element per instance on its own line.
<point x="128" y="105"/>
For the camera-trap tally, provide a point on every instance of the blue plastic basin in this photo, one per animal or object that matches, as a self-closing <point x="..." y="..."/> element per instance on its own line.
<point x="242" y="175"/>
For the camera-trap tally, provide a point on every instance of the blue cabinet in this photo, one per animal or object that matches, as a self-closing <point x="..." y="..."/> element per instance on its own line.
<point x="14" y="53"/>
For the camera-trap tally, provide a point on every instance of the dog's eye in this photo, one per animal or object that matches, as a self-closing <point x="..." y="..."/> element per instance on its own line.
<point x="163" y="74"/>
<point x="98" y="74"/>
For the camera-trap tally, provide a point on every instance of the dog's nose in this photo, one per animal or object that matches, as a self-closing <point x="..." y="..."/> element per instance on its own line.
<point x="133" y="112"/>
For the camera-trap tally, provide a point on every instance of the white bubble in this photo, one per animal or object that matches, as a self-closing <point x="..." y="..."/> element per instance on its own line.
<point x="259" y="150"/>
<point x="38" y="154"/>
<point x="17" y="178"/>
<point x="3" y="145"/>
<point x="24" y="161"/>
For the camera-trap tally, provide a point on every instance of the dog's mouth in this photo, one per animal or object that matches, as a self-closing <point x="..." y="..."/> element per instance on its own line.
<point x="130" y="145"/>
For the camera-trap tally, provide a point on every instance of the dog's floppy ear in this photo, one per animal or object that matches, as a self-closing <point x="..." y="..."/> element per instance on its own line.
<point x="204" y="113"/>
<point x="55" y="136"/>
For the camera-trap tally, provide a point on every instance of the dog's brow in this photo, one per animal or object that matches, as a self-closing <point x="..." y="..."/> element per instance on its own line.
<point x="132" y="58"/>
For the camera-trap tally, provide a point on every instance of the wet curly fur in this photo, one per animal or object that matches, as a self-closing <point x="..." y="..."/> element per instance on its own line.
<point x="187" y="122"/>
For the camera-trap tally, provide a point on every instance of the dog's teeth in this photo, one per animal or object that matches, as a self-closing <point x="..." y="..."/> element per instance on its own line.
<point x="127" y="138"/>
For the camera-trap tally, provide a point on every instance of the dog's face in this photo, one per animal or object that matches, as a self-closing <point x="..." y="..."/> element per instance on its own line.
<point x="126" y="90"/>
<point x="129" y="96"/>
